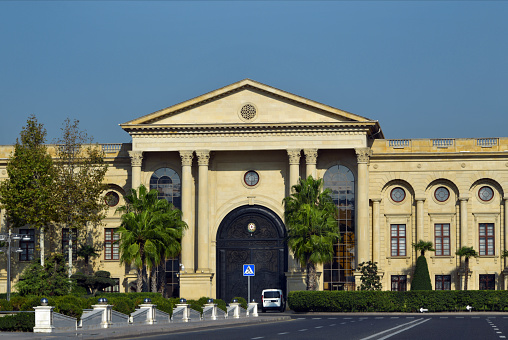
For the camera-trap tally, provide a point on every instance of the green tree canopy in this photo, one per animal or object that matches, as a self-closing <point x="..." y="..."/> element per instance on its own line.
<point x="423" y="246"/>
<point x="28" y="193"/>
<point x="150" y="231"/>
<point x="370" y="278"/>
<point x="311" y="218"/>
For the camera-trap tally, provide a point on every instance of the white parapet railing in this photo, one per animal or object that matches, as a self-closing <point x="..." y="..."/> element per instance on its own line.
<point x="64" y="322"/>
<point x="233" y="310"/>
<point x="91" y="319"/>
<point x="180" y="313"/>
<point x="443" y="143"/>
<point x="398" y="143"/>
<point x="210" y="311"/>
<point x="139" y="316"/>
<point x="162" y="317"/>
<point x="194" y="315"/>
<point x="486" y="142"/>
<point x="119" y="319"/>
<point x="111" y="147"/>
<point x="221" y="314"/>
<point x="252" y="309"/>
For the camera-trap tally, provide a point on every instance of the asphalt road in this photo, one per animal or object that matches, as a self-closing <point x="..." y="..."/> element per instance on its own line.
<point x="378" y="327"/>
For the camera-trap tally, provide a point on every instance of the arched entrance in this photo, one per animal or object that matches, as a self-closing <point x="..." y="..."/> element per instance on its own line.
<point x="250" y="235"/>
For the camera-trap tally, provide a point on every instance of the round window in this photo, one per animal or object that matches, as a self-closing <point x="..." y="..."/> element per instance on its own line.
<point x="486" y="193"/>
<point x="248" y="112"/>
<point x="441" y="194"/>
<point x="398" y="194"/>
<point x="251" y="178"/>
<point x="112" y="198"/>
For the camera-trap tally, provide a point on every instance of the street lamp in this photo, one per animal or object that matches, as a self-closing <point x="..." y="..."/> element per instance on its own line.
<point x="9" y="238"/>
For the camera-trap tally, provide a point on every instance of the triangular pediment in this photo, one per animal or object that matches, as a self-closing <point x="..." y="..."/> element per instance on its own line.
<point x="245" y="102"/>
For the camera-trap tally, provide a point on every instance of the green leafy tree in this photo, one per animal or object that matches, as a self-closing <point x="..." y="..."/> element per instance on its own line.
<point x="466" y="253"/>
<point x="150" y="232"/>
<point x="370" y="278"/>
<point x="311" y="219"/>
<point x="94" y="283"/>
<point x="81" y="169"/>
<point x="87" y="251"/>
<point x="28" y="193"/>
<point x="48" y="280"/>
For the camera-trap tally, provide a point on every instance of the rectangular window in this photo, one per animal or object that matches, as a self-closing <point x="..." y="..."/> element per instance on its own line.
<point x="398" y="239"/>
<point x="486" y="232"/>
<point x="487" y="281"/>
<point x="443" y="282"/>
<point x="65" y="243"/>
<point x="442" y="239"/>
<point x="113" y="289"/>
<point x="110" y="247"/>
<point x="399" y="283"/>
<point x="27" y="246"/>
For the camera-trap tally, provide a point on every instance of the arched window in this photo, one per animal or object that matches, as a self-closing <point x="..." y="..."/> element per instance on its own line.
<point x="339" y="274"/>
<point x="167" y="182"/>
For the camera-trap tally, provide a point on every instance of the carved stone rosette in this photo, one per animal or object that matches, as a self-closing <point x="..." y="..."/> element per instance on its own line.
<point x="294" y="156"/>
<point x="187" y="157"/>
<point x="310" y="156"/>
<point x="203" y="157"/>
<point x="136" y="157"/>
<point x="363" y="155"/>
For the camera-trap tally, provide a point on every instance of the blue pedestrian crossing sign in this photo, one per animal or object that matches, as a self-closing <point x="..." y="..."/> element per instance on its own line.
<point x="248" y="270"/>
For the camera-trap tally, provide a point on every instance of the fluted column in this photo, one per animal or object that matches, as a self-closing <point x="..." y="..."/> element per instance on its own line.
<point x="463" y="221"/>
<point x="189" y="236"/>
<point x="310" y="161"/>
<point x="419" y="219"/>
<point x="203" y="201"/>
<point x="294" y="166"/>
<point x="362" y="223"/>
<point x="376" y="230"/>
<point x="136" y="161"/>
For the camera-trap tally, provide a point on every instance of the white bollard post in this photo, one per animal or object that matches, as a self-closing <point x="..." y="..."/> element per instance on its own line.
<point x="44" y="318"/>
<point x="150" y="316"/>
<point x="186" y="311"/>
<point x="107" y="314"/>
<point x="254" y="307"/>
<point x="236" y="310"/>
<point x="214" y="310"/>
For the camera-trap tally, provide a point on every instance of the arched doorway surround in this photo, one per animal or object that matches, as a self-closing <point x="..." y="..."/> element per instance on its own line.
<point x="250" y="234"/>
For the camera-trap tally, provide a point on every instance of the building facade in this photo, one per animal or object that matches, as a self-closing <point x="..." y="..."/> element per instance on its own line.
<point x="229" y="157"/>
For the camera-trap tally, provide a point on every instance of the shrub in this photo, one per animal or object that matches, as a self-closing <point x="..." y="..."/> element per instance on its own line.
<point x="6" y="305"/>
<point x="421" y="277"/>
<point x="242" y="301"/>
<point x="20" y="322"/>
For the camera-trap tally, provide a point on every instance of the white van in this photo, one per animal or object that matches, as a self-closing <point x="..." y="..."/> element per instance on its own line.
<point x="272" y="299"/>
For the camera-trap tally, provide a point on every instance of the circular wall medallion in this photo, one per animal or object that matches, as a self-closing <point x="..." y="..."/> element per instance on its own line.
<point x="398" y="194"/>
<point x="112" y="198"/>
<point x="251" y="227"/>
<point x="441" y="194"/>
<point x="251" y="178"/>
<point x="248" y="112"/>
<point x="486" y="193"/>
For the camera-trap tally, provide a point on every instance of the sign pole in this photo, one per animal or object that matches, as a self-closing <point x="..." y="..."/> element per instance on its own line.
<point x="248" y="289"/>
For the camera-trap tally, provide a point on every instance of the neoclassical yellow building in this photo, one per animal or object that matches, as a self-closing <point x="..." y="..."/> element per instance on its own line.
<point x="228" y="158"/>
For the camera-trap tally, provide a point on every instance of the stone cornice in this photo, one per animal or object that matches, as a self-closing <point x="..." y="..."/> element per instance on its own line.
<point x="343" y="128"/>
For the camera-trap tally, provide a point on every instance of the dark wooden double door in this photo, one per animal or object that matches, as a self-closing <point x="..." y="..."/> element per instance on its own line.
<point x="237" y="244"/>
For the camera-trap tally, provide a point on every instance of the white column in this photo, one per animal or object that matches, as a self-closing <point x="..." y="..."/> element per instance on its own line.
<point x="136" y="161"/>
<point x="463" y="221"/>
<point x="310" y="161"/>
<point x="362" y="222"/>
<point x="294" y="167"/>
<point x="189" y="234"/>
<point x="44" y="319"/>
<point x="376" y="230"/>
<point x="203" y="201"/>
<point x="419" y="219"/>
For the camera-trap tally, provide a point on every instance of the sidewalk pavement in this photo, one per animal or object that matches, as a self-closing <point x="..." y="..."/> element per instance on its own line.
<point x="137" y="330"/>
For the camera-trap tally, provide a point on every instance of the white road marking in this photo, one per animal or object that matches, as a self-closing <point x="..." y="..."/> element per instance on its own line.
<point x="406" y="326"/>
<point x="318" y="327"/>
<point x="316" y="318"/>
<point x="302" y="330"/>
<point x="283" y="333"/>
<point x="332" y="318"/>
<point x="259" y="337"/>
<point x="333" y="324"/>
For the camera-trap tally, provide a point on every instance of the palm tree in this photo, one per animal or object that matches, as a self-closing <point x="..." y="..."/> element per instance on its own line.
<point x="311" y="219"/>
<point x="466" y="252"/>
<point x="423" y="246"/>
<point x="150" y="231"/>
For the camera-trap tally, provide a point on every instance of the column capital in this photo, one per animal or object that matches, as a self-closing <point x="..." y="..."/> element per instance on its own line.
<point x="294" y="156"/>
<point x="136" y="157"/>
<point x="376" y="200"/>
<point x="203" y="157"/>
<point x="363" y="155"/>
<point x="187" y="157"/>
<point x="310" y="156"/>
<point x="464" y="198"/>
<point x="420" y="198"/>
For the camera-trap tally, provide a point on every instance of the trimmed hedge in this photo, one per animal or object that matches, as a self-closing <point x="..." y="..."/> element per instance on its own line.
<point x="388" y="301"/>
<point x="421" y="277"/>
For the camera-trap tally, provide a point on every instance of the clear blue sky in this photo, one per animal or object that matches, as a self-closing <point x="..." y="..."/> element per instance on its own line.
<point x="423" y="69"/>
